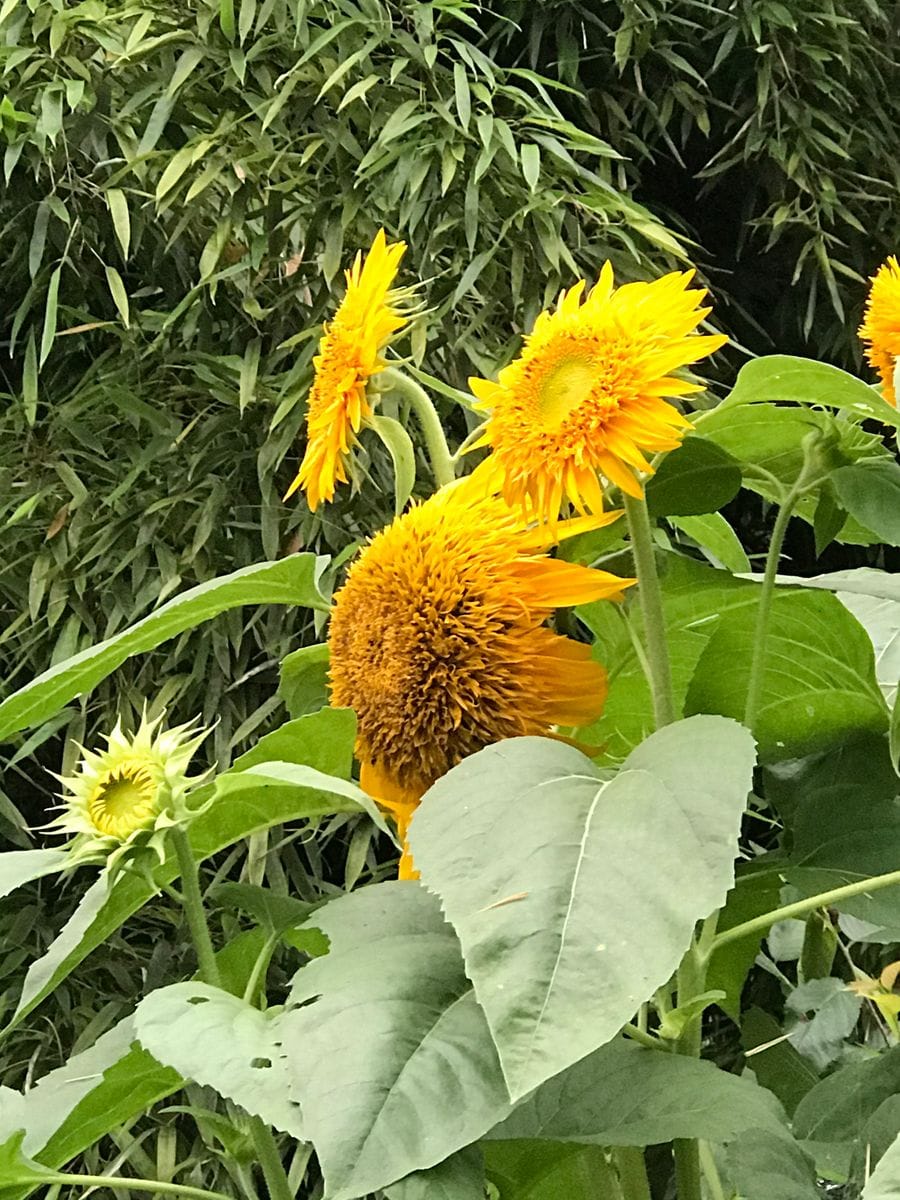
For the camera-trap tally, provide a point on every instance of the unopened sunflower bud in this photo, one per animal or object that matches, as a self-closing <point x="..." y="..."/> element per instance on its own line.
<point x="134" y="788"/>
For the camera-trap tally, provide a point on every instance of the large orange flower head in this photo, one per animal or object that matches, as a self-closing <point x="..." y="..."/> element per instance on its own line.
<point x="880" y="329"/>
<point x="371" y="314"/>
<point x="586" y="395"/>
<point x="438" y="641"/>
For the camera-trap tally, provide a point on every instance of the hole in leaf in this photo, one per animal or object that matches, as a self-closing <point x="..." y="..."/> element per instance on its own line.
<point x="261" y="1063"/>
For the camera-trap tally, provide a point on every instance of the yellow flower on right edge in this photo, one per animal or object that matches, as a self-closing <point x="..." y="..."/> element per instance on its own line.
<point x="880" y="330"/>
<point x="587" y="394"/>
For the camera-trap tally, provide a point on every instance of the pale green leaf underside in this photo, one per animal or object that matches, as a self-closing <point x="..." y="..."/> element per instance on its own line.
<point x="574" y="896"/>
<point x="393" y="1062"/>
<point x="221" y="1041"/>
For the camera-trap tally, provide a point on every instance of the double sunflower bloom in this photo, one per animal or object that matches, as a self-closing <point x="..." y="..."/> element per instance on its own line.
<point x="439" y="637"/>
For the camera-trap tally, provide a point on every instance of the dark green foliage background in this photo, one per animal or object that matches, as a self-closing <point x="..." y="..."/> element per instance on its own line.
<point x="182" y="187"/>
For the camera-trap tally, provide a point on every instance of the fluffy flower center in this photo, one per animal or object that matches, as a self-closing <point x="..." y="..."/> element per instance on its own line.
<point x="124" y="799"/>
<point x="438" y="642"/>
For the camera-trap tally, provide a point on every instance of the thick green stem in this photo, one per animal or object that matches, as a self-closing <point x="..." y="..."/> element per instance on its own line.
<point x="119" y="1182"/>
<point x="711" y="1173"/>
<point x="691" y="983"/>
<point x="802" y="908"/>
<point x="810" y="474"/>
<point x="193" y="908"/>
<point x="270" y="1161"/>
<point x="632" y="1171"/>
<point x="432" y="429"/>
<point x="660" y="676"/>
<point x="764" y="608"/>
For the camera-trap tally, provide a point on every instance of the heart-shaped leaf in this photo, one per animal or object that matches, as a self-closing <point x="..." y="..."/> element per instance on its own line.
<point x="574" y="894"/>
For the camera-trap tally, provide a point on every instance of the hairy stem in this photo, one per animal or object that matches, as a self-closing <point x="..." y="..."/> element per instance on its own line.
<point x="632" y="1171"/>
<point x="691" y="982"/>
<point x="270" y="1160"/>
<point x="660" y="676"/>
<point x="193" y="908"/>
<point x="432" y="430"/>
<point x="810" y="473"/>
<point x="711" y="1173"/>
<point x="764" y="609"/>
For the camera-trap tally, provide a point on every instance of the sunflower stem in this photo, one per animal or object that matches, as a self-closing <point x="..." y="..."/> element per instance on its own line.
<point x="632" y="1171"/>
<point x="815" y="467"/>
<point x="691" y="982"/>
<point x="192" y="903"/>
<point x="270" y="1160"/>
<point x="767" y="595"/>
<point x="659" y="673"/>
<point x="433" y="431"/>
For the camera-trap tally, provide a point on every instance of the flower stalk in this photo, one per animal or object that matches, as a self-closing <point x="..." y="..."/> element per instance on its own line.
<point x="632" y="1171"/>
<point x="657" y="660"/>
<point x="393" y="380"/>
<point x="192" y="902"/>
<point x="810" y="474"/>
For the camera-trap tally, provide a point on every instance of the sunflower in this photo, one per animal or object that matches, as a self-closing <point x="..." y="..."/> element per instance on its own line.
<point x="368" y="317"/>
<point x="586" y="395"/>
<point x="880" y="329"/>
<point x="135" y="787"/>
<point x="438" y="641"/>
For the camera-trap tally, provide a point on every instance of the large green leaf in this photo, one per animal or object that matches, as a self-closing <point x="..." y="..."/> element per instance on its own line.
<point x="752" y="895"/>
<point x="303" y="682"/>
<point x="845" y="826"/>
<point x="874" y="599"/>
<point x="767" y="1166"/>
<point x="819" y="683"/>
<point x="629" y="1095"/>
<point x="574" y="894"/>
<point x="290" y="581"/>
<point x="22" y="866"/>
<point x="530" y="1170"/>
<point x="321" y="742"/>
<point x="698" y="477"/>
<point x="459" y="1177"/>
<point x="72" y="1107"/>
<point x="713" y="534"/>
<point x="781" y="377"/>
<point x="836" y="1109"/>
<point x="763" y="436"/>
<point x="884" y="1182"/>
<point x="774" y="1061"/>
<point x="390" y="1055"/>
<point x="870" y="492"/>
<point x="222" y="1042"/>
<point x="695" y="597"/>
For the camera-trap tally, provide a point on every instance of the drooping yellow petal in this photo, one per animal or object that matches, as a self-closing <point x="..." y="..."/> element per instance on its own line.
<point x="584" y="396"/>
<point x="880" y="330"/>
<point x="350" y="353"/>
